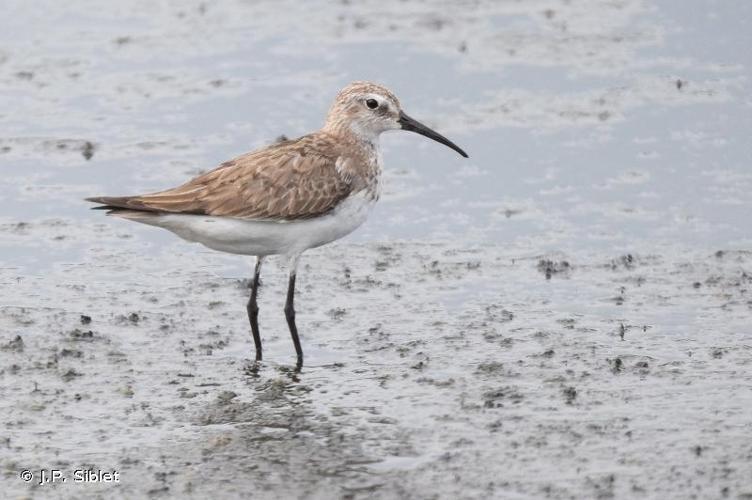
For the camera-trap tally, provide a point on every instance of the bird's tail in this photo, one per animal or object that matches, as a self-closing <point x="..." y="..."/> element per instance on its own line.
<point x="126" y="207"/>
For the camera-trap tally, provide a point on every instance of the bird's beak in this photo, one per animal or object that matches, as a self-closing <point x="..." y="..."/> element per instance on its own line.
<point x="412" y="125"/>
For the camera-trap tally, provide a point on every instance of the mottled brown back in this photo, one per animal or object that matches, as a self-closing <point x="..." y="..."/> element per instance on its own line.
<point x="292" y="180"/>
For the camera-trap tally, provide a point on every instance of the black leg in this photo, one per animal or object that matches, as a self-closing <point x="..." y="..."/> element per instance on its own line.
<point x="253" y="309"/>
<point x="290" y="315"/>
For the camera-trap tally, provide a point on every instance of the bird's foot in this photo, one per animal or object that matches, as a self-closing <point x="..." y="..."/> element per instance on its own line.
<point x="252" y="368"/>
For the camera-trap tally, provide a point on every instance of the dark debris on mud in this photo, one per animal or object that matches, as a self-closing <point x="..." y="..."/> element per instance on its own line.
<point x="551" y="268"/>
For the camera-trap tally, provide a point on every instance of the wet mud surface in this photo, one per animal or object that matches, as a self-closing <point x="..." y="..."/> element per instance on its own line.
<point x="567" y="314"/>
<point x="432" y="372"/>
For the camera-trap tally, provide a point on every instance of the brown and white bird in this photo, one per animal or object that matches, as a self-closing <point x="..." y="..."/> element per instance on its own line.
<point x="287" y="197"/>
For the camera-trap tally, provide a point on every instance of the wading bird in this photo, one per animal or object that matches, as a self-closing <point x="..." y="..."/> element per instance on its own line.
<point x="285" y="198"/>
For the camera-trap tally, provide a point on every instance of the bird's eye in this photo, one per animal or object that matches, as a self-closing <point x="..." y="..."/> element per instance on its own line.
<point x="372" y="103"/>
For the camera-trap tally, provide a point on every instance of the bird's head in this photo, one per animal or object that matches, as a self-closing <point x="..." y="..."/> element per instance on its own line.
<point x="367" y="109"/>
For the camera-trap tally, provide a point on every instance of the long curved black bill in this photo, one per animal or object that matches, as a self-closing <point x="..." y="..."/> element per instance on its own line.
<point x="413" y="125"/>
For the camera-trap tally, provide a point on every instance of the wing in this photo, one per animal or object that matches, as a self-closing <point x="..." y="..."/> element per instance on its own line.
<point x="292" y="180"/>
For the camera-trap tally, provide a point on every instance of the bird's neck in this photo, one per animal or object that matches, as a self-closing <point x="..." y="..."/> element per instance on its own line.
<point x="363" y="154"/>
<point x="361" y="143"/>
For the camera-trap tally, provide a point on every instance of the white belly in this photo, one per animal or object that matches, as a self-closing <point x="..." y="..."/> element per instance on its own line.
<point x="246" y="237"/>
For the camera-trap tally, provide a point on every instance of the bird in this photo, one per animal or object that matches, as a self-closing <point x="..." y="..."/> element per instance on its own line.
<point x="285" y="198"/>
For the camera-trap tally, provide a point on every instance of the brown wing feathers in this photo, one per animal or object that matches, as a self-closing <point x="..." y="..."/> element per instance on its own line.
<point x="287" y="181"/>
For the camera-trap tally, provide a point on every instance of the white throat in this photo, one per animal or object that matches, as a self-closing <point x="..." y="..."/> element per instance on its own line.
<point x="365" y="134"/>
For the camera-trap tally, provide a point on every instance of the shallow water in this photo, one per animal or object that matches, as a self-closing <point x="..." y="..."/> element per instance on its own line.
<point x="565" y="314"/>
